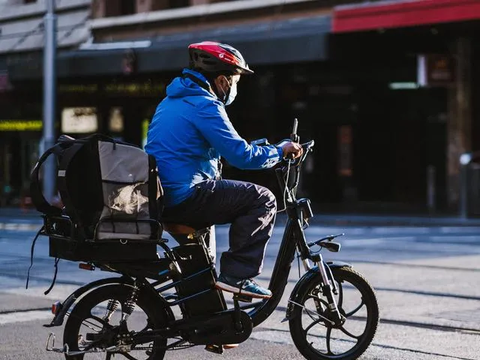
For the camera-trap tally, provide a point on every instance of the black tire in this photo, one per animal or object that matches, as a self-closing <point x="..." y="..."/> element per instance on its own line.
<point x="147" y="315"/>
<point x="312" y="335"/>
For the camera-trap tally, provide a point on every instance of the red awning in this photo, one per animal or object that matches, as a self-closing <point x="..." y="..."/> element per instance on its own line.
<point x="403" y="13"/>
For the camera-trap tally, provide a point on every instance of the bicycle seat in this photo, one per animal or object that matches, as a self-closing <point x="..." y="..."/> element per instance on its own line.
<point x="179" y="229"/>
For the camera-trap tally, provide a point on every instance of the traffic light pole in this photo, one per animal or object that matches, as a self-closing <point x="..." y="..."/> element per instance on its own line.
<point x="49" y="97"/>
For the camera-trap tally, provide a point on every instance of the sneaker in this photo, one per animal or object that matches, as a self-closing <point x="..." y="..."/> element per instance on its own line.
<point x="246" y="287"/>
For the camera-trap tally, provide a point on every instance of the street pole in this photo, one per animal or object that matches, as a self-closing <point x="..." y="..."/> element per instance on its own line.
<point x="49" y="95"/>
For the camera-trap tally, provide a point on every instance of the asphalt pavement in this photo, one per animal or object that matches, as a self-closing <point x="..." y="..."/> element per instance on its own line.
<point x="424" y="270"/>
<point x="30" y="215"/>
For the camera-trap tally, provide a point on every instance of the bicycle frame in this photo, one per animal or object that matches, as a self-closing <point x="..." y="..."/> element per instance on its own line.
<point x="293" y="240"/>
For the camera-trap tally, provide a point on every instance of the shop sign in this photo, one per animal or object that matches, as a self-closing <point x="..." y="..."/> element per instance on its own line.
<point x="115" y="89"/>
<point x="78" y="88"/>
<point x="20" y="125"/>
<point x="79" y="120"/>
<point x="435" y="70"/>
<point x="130" y="89"/>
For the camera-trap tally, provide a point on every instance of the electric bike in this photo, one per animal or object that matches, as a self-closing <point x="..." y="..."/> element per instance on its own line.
<point x="169" y="301"/>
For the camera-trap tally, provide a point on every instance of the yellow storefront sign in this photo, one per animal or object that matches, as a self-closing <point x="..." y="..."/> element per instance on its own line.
<point x="20" y="125"/>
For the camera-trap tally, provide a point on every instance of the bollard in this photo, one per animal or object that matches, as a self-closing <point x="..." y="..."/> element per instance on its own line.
<point x="465" y="160"/>
<point x="431" y="188"/>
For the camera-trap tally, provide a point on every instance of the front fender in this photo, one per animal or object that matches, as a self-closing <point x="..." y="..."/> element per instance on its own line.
<point x="304" y="281"/>
<point x="70" y="300"/>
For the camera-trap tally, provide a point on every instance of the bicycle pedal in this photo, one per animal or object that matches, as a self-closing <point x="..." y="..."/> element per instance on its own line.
<point x="241" y="297"/>
<point x="216" y="349"/>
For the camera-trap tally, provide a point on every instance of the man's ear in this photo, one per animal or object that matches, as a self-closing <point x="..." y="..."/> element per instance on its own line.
<point x="221" y="86"/>
<point x="222" y="82"/>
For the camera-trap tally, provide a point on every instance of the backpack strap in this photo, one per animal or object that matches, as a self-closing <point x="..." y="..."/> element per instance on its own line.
<point x="55" y="265"/>
<point x="152" y="187"/>
<point x="32" y="249"/>
<point x="153" y="206"/>
<point x="62" y="184"/>
<point x="36" y="192"/>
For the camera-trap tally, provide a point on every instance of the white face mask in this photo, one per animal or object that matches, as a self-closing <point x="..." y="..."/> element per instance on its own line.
<point x="232" y="94"/>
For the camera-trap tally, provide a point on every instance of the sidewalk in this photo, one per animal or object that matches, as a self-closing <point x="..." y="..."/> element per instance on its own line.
<point x="17" y="215"/>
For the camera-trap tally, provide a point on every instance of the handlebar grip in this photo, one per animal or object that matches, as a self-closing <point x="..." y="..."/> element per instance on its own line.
<point x="295" y="126"/>
<point x="293" y="136"/>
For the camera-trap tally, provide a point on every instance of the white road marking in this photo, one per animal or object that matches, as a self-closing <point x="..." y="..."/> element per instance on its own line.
<point x="456" y="239"/>
<point x="24" y="316"/>
<point x="20" y="227"/>
<point x="320" y="230"/>
<point x="400" y="230"/>
<point x="360" y="242"/>
<point x="278" y="337"/>
<point x="59" y="292"/>
<point x="464" y="229"/>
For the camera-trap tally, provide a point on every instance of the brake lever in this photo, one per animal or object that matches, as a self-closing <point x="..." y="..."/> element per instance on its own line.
<point x="326" y="238"/>
<point x="307" y="147"/>
<point x="331" y="246"/>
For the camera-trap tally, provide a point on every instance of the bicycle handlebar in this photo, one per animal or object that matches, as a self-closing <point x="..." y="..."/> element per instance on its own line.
<point x="307" y="147"/>
<point x="287" y="185"/>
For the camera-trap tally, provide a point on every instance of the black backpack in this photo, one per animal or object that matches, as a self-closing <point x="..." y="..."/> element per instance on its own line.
<point x="112" y="201"/>
<point x="110" y="191"/>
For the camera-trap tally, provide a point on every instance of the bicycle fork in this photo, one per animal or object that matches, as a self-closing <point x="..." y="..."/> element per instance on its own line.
<point x="328" y="289"/>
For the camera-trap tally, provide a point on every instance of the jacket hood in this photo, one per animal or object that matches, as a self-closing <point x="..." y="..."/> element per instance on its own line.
<point x="182" y="87"/>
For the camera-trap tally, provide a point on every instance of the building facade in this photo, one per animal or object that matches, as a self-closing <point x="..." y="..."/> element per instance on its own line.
<point x="427" y="126"/>
<point x="21" y="44"/>
<point x="358" y="79"/>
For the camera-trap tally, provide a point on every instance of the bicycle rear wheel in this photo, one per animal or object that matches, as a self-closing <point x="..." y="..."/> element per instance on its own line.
<point x="94" y="325"/>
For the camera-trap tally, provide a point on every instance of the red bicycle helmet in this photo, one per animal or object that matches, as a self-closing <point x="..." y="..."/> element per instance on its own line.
<point x="212" y="56"/>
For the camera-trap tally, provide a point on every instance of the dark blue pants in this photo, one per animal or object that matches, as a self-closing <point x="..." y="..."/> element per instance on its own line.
<point x="249" y="208"/>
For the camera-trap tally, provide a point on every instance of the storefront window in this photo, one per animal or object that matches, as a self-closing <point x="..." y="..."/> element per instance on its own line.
<point x="80" y="120"/>
<point x="115" y="122"/>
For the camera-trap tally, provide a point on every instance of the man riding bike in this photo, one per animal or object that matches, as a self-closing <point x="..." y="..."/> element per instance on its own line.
<point x="188" y="134"/>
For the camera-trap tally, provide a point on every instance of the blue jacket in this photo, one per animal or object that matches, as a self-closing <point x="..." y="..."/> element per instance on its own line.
<point x="189" y="133"/>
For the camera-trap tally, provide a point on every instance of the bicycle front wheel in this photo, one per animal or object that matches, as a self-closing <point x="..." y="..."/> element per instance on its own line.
<point x="316" y="337"/>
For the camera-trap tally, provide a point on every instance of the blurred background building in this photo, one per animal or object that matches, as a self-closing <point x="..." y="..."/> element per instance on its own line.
<point x="21" y="67"/>
<point x="386" y="88"/>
